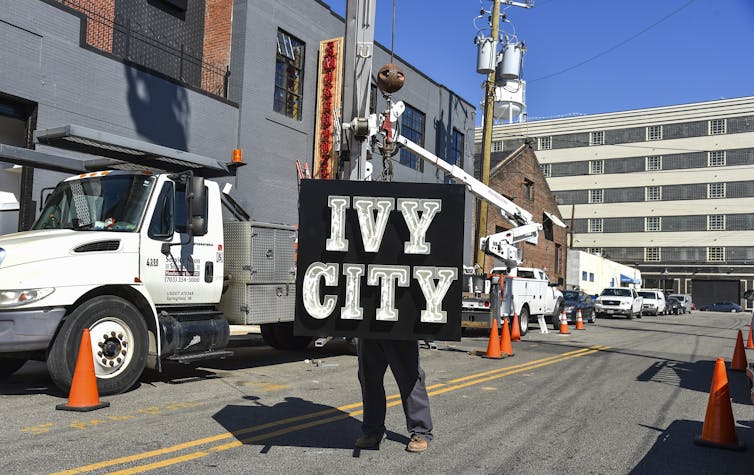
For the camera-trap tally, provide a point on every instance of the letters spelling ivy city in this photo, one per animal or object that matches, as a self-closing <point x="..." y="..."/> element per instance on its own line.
<point x="373" y="214"/>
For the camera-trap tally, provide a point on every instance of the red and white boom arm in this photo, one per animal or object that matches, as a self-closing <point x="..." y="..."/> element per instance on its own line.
<point x="500" y="245"/>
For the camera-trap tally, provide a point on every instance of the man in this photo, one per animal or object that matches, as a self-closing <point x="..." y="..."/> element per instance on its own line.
<point x="403" y="358"/>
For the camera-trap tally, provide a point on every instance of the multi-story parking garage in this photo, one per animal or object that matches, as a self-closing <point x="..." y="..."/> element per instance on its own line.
<point x="668" y="190"/>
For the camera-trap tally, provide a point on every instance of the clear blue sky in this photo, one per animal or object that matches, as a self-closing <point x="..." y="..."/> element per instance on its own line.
<point x="635" y="53"/>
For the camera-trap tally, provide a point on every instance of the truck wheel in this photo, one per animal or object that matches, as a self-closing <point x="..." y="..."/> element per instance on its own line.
<point x="119" y="344"/>
<point x="523" y="321"/>
<point x="280" y="336"/>
<point x="9" y="366"/>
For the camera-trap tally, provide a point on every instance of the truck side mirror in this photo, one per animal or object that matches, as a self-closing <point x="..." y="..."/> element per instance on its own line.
<point x="560" y="281"/>
<point x="196" y="204"/>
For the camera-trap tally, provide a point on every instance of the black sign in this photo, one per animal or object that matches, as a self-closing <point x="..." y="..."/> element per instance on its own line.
<point x="379" y="260"/>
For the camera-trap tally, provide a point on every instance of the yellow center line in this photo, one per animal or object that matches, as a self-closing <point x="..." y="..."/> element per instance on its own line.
<point x="341" y="410"/>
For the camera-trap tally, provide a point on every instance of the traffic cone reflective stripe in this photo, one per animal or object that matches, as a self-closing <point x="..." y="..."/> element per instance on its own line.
<point x="564" y="324"/>
<point x="738" y="363"/>
<point x="579" y="321"/>
<point x="83" y="395"/>
<point x="516" y="329"/>
<point x="493" y="346"/>
<point x="750" y="343"/>
<point x="719" y="429"/>
<point x="505" y="340"/>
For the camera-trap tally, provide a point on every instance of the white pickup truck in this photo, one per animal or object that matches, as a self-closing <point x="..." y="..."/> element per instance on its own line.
<point x="527" y="292"/>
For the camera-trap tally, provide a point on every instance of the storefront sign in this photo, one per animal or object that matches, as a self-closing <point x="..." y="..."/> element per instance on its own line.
<point x="379" y="260"/>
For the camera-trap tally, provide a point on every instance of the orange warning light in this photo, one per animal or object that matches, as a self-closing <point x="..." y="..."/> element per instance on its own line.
<point x="237" y="155"/>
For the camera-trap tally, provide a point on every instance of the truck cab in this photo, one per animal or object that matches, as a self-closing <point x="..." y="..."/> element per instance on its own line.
<point x="135" y="257"/>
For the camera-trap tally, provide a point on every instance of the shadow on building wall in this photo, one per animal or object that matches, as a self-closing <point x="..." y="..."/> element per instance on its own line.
<point x="159" y="109"/>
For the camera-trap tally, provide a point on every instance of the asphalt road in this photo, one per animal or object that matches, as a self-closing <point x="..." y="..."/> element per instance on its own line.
<point x="621" y="397"/>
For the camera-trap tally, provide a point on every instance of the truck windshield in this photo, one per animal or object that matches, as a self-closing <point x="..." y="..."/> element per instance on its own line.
<point x="616" y="292"/>
<point x="113" y="202"/>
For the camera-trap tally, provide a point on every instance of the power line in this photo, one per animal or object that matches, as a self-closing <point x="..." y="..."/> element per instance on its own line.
<point x="616" y="46"/>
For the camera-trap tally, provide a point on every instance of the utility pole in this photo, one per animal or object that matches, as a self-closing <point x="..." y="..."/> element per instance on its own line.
<point x="489" y="104"/>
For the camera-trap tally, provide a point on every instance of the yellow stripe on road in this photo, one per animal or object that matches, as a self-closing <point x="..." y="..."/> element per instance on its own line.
<point x="344" y="412"/>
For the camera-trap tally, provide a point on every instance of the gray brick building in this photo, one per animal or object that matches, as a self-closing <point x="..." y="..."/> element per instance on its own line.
<point x="669" y="190"/>
<point x="204" y="76"/>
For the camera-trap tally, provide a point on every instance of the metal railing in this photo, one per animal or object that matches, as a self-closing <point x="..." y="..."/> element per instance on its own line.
<point x="133" y="42"/>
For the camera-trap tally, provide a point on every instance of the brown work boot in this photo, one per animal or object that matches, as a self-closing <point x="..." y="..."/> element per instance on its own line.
<point x="417" y="444"/>
<point x="368" y="441"/>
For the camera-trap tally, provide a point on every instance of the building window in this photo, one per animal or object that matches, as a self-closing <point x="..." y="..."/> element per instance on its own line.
<point x="716" y="222"/>
<point x="544" y="143"/>
<point x="457" y="142"/>
<point x="653" y="193"/>
<point x="497" y="146"/>
<point x="546" y="169"/>
<point x="717" y="127"/>
<point x="289" y="76"/>
<point x="597" y="251"/>
<point x="654" y="132"/>
<point x="597" y="138"/>
<point x="652" y="254"/>
<point x="591" y="277"/>
<point x="595" y="225"/>
<point x="412" y="127"/>
<point x="652" y="223"/>
<point x="558" y="252"/>
<point x="596" y="167"/>
<point x="528" y="189"/>
<point x="716" y="190"/>
<point x="583" y="275"/>
<point x="716" y="158"/>
<point x="596" y="196"/>
<point x="653" y="163"/>
<point x="716" y="254"/>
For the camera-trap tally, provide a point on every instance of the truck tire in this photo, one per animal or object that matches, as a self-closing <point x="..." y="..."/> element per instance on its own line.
<point x="119" y="344"/>
<point x="8" y="366"/>
<point x="280" y="336"/>
<point x="523" y="320"/>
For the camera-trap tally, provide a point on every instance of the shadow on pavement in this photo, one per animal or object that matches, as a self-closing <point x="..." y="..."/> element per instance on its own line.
<point x="295" y="422"/>
<point x="696" y="376"/>
<point x="674" y="452"/>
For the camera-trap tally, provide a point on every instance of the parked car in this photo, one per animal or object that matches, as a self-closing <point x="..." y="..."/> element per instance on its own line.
<point x="654" y="302"/>
<point x="723" y="307"/>
<point x="685" y="299"/>
<point x="576" y="300"/>
<point x="618" y="301"/>
<point x="673" y="306"/>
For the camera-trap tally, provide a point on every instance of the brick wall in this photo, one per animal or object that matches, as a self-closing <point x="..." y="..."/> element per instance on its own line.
<point x="100" y="16"/>
<point x="509" y="180"/>
<point x="218" y="15"/>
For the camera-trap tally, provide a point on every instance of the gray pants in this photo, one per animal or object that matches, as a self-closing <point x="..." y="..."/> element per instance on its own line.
<point x="403" y="358"/>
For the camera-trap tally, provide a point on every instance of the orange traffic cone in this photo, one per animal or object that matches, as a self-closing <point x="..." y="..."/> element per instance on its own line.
<point x="750" y="343"/>
<point x="493" y="347"/>
<point x="505" y="340"/>
<point x="739" y="355"/>
<point x="83" y="396"/>
<point x="515" y="329"/>
<point x="579" y="321"/>
<point x="564" y="324"/>
<point x="719" y="429"/>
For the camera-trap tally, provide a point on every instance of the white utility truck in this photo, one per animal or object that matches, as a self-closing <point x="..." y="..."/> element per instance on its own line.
<point x="147" y="263"/>
<point x="524" y="291"/>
